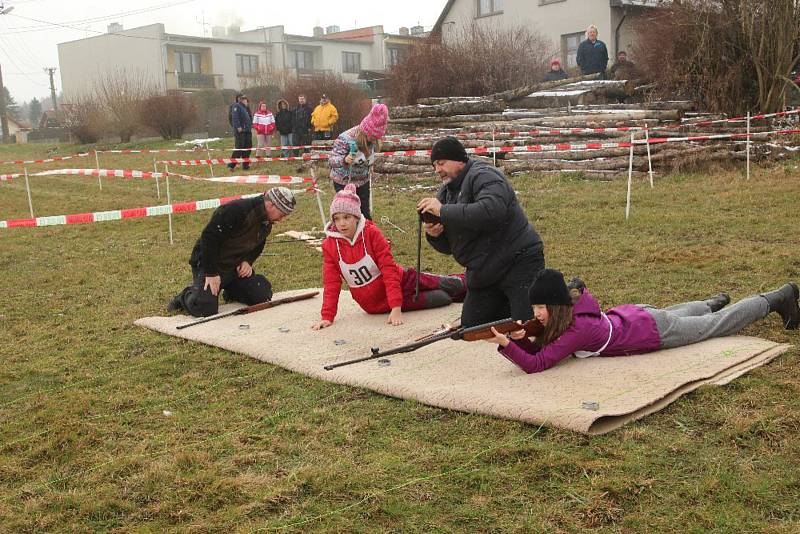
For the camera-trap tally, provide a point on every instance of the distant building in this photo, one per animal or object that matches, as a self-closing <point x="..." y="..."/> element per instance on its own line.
<point x="230" y="59"/>
<point x="563" y="22"/>
<point x="18" y="129"/>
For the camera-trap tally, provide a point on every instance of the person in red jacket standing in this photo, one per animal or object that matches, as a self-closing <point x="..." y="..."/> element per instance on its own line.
<point x="264" y="123"/>
<point x="356" y="251"/>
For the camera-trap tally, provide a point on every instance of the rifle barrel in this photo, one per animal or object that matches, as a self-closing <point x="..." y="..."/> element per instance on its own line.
<point x="209" y="319"/>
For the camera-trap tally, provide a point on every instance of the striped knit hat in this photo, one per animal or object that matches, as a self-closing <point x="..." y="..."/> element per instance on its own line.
<point x="281" y="198"/>
<point x="346" y="201"/>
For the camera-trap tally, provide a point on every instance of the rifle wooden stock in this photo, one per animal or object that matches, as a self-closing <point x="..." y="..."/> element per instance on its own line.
<point x="250" y="309"/>
<point x="532" y="328"/>
<point x="473" y="333"/>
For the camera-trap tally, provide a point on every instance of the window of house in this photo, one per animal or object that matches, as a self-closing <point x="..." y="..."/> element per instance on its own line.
<point x="569" y="48"/>
<point x="396" y="55"/>
<point x="489" y="7"/>
<point x="351" y="62"/>
<point x="246" y="65"/>
<point x="301" y="59"/>
<point x="187" y="62"/>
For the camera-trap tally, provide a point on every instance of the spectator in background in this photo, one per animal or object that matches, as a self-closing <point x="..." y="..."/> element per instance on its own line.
<point x="283" y="122"/>
<point x="301" y="125"/>
<point x="623" y="69"/>
<point x="592" y="54"/>
<point x="264" y="123"/>
<point x="241" y="119"/>
<point x="556" y="72"/>
<point x="324" y="118"/>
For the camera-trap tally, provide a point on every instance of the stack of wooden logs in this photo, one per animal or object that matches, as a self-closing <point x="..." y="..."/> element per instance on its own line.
<point x="568" y="112"/>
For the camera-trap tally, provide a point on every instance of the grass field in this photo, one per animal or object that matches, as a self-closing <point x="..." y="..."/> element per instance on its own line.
<point x="85" y="445"/>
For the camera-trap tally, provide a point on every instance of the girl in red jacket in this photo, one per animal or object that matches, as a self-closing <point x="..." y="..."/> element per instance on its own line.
<point x="264" y="123"/>
<point x="356" y="251"/>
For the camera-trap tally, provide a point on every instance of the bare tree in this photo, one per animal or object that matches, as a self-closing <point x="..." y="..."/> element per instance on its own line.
<point x="734" y="55"/>
<point x="479" y="61"/>
<point x="121" y="94"/>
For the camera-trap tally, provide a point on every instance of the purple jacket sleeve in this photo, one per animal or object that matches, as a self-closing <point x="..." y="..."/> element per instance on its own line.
<point x="527" y="358"/>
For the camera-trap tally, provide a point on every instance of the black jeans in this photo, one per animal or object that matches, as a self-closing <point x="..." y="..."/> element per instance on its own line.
<point x="199" y="302"/>
<point x="363" y="194"/>
<point x="508" y="297"/>
<point x="301" y="139"/>
<point x="242" y="140"/>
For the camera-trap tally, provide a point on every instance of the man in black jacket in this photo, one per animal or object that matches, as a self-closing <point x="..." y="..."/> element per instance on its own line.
<point x="485" y="229"/>
<point x="242" y="125"/>
<point x="301" y="124"/>
<point x="223" y="257"/>
<point x="592" y="54"/>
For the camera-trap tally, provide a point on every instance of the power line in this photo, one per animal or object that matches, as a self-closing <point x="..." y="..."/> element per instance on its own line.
<point x="46" y="24"/>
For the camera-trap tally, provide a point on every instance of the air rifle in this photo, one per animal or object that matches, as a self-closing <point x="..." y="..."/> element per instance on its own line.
<point x="251" y="309"/>
<point x="472" y="333"/>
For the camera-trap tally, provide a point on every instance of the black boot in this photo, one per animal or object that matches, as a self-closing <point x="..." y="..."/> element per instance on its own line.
<point x="717" y="302"/>
<point x="784" y="301"/>
<point x="176" y="304"/>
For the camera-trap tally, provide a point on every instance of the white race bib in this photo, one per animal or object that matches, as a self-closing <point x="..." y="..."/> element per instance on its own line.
<point x="359" y="274"/>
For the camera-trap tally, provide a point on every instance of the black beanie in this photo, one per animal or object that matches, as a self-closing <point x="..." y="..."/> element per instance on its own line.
<point x="449" y="148"/>
<point x="549" y="288"/>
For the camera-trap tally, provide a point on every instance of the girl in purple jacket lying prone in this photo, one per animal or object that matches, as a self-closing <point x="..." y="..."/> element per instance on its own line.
<point x="574" y="324"/>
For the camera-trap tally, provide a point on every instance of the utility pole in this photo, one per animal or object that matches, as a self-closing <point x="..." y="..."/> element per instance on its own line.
<point x="50" y="71"/>
<point x="3" y="111"/>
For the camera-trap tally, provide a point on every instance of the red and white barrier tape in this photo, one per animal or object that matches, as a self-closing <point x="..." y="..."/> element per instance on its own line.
<point x="225" y="161"/>
<point x="260" y="179"/>
<point x="203" y="148"/>
<point x="116" y="215"/>
<point x="565" y="147"/>
<point x="48" y="160"/>
<point x="100" y="172"/>
<point x="9" y="177"/>
<point x="736" y="119"/>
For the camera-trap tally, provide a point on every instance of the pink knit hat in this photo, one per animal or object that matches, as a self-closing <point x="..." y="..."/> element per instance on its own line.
<point x="374" y="124"/>
<point x="346" y="201"/>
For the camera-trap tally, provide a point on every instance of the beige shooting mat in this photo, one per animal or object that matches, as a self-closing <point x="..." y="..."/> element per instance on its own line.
<point x="591" y="396"/>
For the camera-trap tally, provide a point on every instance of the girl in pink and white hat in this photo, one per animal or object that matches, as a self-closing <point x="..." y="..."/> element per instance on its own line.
<point x="353" y="154"/>
<point x="356" y="251"/>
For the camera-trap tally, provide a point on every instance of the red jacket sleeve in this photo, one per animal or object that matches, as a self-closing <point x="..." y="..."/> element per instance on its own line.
<point x="331" y="280"/>
<point x="390" y="270"/>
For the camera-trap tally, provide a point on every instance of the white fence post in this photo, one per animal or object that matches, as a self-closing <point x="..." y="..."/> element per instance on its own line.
<point x="28" y="189"/>
<point x="630" y="179"/>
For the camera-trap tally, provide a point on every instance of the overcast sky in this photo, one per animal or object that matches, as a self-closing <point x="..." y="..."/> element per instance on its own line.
<point x="27" y="46"/>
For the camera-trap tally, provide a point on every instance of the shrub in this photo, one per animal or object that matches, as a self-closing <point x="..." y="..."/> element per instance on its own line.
<point x="84" y="119"/>
<point x="732" y="55"/>
<point x="479" y="62"/>
<point x="351" y="102"/>
<point x="170" y="114"/>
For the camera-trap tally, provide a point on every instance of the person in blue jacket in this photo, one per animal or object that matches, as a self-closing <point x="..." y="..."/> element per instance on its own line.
<point x="241" y="119"/>
<point x="592" y="54"/>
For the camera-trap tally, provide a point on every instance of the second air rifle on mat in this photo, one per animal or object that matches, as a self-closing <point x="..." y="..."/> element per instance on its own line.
<point x="251" y="309"/>
<point x="472" y="333"/>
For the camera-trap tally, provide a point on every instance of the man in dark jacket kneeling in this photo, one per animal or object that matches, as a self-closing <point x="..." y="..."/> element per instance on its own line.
<point x="485" y="229"/>
<point x="223" y="257"/>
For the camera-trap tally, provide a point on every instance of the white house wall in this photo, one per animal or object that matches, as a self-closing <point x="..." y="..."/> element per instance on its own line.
<point x="550" y="20"/>
<point x="137" y="52"/>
